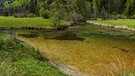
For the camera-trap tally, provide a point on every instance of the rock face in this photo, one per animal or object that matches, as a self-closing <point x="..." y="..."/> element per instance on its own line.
<point x="113" y="26"/>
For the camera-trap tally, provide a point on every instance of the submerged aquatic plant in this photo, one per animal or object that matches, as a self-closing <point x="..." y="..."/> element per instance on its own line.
<point x="107" y="53"/>
<point x="119" y="65"/>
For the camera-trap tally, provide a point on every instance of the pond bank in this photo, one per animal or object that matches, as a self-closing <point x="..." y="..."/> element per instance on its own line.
<point x="35" y="28"/>
<point x="20" y="59"/>
<point x="112" y="26"/>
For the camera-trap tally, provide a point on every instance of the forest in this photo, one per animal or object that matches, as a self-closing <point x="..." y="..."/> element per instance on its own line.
<point x="73" y="11"/>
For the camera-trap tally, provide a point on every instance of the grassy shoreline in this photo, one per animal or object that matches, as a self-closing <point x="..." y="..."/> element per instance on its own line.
<point x="8" y="22"/>
<point x="120" y="22"/>
<point x="20" y="59"/>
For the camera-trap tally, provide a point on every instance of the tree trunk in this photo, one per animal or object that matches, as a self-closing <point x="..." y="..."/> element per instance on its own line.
<point x="95" y="10"/>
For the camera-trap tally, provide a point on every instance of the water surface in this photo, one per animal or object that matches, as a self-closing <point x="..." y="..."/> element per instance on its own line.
<point x="86" y="49"/>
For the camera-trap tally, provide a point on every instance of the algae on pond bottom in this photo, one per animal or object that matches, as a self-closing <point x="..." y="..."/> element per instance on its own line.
<point x="99" y="54"/>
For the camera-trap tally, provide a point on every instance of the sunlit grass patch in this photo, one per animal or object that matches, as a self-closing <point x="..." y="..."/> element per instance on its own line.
<point x="22" y="22"/>
<point x="126" y="22"/>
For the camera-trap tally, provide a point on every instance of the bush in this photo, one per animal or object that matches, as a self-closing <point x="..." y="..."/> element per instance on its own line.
<point x="5" y="14"/>
<point x="114" y="16"/>
<point x="44" y="13"/>
<point x="31" y="15"/>
<point x="19" y="15"/>
<point x="133" y="16"/>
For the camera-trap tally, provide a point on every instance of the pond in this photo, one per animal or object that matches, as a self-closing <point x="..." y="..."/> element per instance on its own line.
<point x="86" y="50"/>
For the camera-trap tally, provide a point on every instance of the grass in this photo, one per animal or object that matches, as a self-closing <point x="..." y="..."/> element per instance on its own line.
<point x="22" y="22"/>
<point x="119" y="22"/>
<point x="103" y="52"/>
<point x="19" y="59"/>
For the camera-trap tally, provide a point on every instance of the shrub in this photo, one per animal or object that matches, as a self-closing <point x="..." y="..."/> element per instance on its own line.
<point x="19" y="15"/>
<point x="5" y="14"/>
<point x="44" y="13"/>
<point x="31" y="15"/>
<point x="114" y="16"/>
<point x="133" y="16"/>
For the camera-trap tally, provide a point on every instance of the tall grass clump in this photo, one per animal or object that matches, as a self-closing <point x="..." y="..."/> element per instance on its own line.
<point x="120" y="65"/>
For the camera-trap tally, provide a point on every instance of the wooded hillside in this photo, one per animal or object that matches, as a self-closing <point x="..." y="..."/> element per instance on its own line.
<point x="70" y="10"/>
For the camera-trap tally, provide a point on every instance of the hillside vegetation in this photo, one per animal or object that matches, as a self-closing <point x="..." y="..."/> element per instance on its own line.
<point x="73" y="11"/>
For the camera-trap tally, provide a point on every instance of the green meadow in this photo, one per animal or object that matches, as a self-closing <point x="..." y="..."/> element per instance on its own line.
<point x="40" y="22"/>
<point x="22" y="22"/>
<point x="119" y="22"/>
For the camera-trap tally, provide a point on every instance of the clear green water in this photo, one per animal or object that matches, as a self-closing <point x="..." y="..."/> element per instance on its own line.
<point x="81" y="33"/>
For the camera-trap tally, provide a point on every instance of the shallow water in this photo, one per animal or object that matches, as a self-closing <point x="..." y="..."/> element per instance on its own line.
<point x="86" y="49"/>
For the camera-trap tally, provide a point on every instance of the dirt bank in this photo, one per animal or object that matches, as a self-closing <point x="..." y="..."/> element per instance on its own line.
<point x="112" y="26"/>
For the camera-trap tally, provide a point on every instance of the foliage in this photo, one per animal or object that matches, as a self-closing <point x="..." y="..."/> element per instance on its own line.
<point x="19" y="15"/>
<point x="55" y="9"/>
<point x="31" y="15"/>
<point x="44" y="13"/>
<point x="56" y="12"/>
<point x="73" y="11"/>
<point x="133" y="16"/>
<point x="104" y="14"/>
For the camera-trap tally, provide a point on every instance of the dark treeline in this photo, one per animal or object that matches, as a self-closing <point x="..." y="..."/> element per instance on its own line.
<point x="70" y="10"/>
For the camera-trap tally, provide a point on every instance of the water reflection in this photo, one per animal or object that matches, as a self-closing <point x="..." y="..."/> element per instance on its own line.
<point x="79" y="33"/>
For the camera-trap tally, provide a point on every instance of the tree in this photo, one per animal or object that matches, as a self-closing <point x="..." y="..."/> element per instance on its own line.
<point x="45" y="13"/>
<point x="130" y="7"/>
<point x="73" y="11"/>
<point x="104" y="14"/>
<point x="56" y="12"/>
<point x="95" y="9"/>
